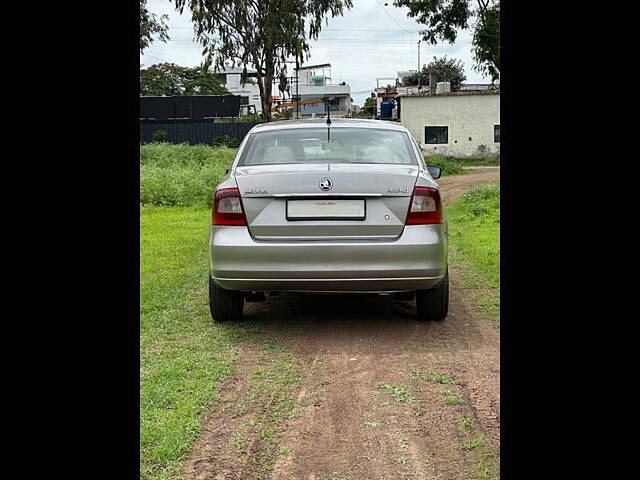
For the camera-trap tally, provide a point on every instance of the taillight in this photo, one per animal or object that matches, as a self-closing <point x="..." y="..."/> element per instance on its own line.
<point x="227" y="208"/>
<point x="425" y="207"/>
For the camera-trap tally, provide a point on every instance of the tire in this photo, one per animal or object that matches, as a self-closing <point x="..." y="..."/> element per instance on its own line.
<point x="225" y="305"/>
<point x="433" y="304"/>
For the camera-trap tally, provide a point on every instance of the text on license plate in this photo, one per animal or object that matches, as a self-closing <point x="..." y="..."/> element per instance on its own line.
<point x="325" y="209"/>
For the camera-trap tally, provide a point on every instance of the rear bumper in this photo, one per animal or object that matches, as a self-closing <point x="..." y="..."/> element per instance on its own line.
<point x="415" y="260"/>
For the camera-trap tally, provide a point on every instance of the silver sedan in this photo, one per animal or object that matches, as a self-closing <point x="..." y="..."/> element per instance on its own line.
<point x="348" y="206"/>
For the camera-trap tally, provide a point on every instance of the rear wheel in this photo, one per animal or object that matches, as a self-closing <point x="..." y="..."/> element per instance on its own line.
<point x="433" y="304"/>
<point x="225" y="305"/>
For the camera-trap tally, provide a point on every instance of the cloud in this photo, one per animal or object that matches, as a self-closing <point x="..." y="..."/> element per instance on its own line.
<point x="370" y="41"/>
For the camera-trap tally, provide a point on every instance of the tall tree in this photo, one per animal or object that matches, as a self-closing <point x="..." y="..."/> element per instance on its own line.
<point x="261" y="34"/>
<point x="444" y="18"/>
<point x="486" y="42"/>
<point x="168" y="79"/>
<point x="446" y="70"/>
<point x="151" y="25"/>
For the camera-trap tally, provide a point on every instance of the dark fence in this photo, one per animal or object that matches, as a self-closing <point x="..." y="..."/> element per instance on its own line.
<point x="193" y="131"/>
<point x="194" y="107"/>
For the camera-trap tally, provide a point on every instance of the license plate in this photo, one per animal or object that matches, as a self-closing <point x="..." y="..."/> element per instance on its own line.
<point x="325" y="209"/>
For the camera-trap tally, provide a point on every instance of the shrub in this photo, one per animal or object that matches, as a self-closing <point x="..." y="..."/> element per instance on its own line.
<point x="226" y="141"/>
<point x="159" y="136"/>
<point x="484" y="192"/>
<point x="448" y="167"/>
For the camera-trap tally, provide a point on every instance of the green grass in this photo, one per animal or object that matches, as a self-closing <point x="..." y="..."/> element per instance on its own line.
<point x="181" y="175"/>
<point x="473" y="443"/>
<point x="464" y="162"/>
<point x="453" y="166"/>
<point x="487" y="466"/>
<point x="474" y="239"/>
<point x="450" y="398"/>
<point x="466" y="424"/>
<point x="399" y="393"/>
<point x="182" y="355"/>
<point x="448" y="166"/>
<point x="441" y="378"/>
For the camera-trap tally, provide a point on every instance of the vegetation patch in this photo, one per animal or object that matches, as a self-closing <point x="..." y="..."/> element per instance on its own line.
<point x="181" y="175"/>
<point x="450" y="398"/>
<point x="474" y="241"/>
<point x="473" y="443"/>
<point x="399" y="393"/>
<point x="448" y="166"/>
<point x="466" y="424"/>
<point x="427" y="376"/>
<point x="454" y="166"/>
<point x="271" y="405"/>
<point x="492" y="161"/>
<point x="487" y="466"/>
<point x="182" y="355"/>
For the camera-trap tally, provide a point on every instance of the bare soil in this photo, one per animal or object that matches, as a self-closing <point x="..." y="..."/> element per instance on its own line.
<point x="369" y="405"/>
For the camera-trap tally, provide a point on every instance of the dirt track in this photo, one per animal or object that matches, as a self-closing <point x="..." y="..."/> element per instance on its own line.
<point x="456" y="185"/>
<point x="355" y="353"/>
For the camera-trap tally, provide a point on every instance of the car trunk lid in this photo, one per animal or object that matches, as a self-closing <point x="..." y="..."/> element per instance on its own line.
<point x="341" y="200"/>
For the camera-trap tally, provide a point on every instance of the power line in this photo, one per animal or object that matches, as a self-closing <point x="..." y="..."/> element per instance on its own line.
<point x="389" y="15"/>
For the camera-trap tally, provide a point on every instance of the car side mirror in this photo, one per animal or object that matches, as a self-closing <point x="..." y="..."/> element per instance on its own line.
<point x="226" y="172"/>
<point x="435" y="171"/>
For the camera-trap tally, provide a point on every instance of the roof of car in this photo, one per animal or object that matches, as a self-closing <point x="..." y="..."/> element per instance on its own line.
<point x="335" y="122"/>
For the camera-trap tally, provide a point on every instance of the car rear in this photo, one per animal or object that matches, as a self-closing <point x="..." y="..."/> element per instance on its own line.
<point x="343" y="208"/>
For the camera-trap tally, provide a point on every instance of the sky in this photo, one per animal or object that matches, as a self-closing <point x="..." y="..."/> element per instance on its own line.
<point x="369" y="41"/>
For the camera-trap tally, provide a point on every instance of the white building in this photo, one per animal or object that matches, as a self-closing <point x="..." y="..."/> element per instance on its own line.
<point x="456" y="124"/>
<point x="315" y="82"/>
<point x="231" y="78"/>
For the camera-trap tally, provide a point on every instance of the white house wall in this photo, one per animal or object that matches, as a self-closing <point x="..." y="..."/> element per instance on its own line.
<point x="470" y="118"/>
<point x="247" y="90"/>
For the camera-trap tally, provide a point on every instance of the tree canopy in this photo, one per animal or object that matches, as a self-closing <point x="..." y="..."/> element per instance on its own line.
<point x="369" y="108"/>
<point x="446" y="70"/>
<point x="151" y="25"/>
<point x="168" y="79"/>
<point x="261" y="34"/>
<point x="444" y="18"/>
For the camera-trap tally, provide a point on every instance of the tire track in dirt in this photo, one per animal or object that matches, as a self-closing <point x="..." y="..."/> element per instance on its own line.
<point x="368" y="407"/>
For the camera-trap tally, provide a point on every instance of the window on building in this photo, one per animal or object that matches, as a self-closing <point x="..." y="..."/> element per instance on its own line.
<point x="256" y="97"/>
<point x="496" y="133"/>
<point x="436" y="135"/>
<point x="244" y="100"/>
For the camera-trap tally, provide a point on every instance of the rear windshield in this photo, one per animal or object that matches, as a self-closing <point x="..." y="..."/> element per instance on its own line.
<point x="328" y="145"/>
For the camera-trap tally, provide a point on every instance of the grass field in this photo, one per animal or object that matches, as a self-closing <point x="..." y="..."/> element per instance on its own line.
<point x="186" y="175"/>
<point x="182" y="355"/>
<point x="182" y="175"/>
<point x="474" y="235"/>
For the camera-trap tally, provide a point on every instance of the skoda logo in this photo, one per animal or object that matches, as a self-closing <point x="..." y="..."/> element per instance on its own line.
<point x="325" y="184"/>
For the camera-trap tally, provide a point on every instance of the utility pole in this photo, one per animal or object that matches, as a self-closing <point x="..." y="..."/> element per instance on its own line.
<point x="419" y="76"/>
